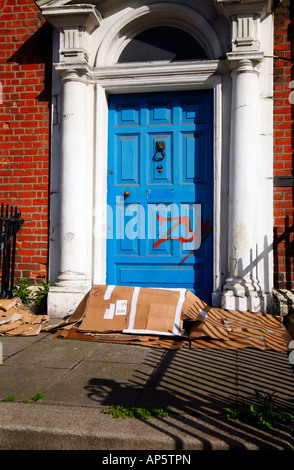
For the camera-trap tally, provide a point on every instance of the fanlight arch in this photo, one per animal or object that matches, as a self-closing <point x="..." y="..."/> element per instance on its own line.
<point x="141" y="19"/>
<point x="162" y="43"/>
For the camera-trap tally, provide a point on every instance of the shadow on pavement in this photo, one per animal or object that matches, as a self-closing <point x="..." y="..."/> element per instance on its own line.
<point x="197" y="384"/>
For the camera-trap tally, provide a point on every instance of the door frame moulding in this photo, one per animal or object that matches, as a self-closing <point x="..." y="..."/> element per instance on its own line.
<point x="88" y="66"/>
<point x="156" y="77"/>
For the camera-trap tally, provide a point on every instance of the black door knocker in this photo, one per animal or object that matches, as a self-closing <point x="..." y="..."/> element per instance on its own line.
<point x="159" y="148"/>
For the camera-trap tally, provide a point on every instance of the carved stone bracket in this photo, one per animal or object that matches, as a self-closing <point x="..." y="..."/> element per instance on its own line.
<point x="74" y="23"/>
<point x="245" y="32"/>
<point x="245" y="17"/>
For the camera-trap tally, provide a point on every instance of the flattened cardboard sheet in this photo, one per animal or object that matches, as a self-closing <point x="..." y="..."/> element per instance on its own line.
<point x="239" y="330"/>
<point x="194" y="309"/>
<point x="73" y="319"/>
<point x="157" y="318"/>
<point x="156" y="311"/>
<point x="6" y="304"/>
<point x="104" y="310"/>
<point x="15" y="321"/>
<point x="211" y="326"/>
<point x="123" y="338"/>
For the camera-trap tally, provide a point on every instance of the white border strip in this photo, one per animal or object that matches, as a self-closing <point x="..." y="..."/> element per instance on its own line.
<point x="178" y="314"/>
<point x="149" y="332"/>
<point x="133" y="308"/>
<point x="108" y="292"/>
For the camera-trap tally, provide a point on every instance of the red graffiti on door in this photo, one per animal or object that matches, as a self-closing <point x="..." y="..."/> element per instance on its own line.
<point x="192" y="236"/>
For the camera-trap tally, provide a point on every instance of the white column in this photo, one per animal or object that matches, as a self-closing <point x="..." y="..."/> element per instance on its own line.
<point x="242" y="290"/>
<point x="74" y="278"/>
<point x="75" y="25"/>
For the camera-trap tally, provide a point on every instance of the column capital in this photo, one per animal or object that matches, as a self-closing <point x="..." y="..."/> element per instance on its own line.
<point x="245" y="62"/>
<point x="77" y="72"/>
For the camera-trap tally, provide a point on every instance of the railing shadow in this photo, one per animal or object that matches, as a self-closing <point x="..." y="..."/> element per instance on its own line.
<point x="196" y="385"/>
<point x="286" y="239"/>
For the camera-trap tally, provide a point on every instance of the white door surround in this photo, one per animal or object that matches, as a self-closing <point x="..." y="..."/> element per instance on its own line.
<point x="237" y="38"/>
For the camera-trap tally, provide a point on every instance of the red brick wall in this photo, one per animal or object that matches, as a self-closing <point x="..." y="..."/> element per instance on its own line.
<point x="25" y="74"/>
<point x="283" y="146"/>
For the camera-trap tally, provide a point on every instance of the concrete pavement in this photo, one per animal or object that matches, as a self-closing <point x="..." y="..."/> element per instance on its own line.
<point x="79" y="378"/>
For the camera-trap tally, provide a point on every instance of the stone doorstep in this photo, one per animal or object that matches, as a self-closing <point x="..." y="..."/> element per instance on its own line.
<point x="283" y="301"/>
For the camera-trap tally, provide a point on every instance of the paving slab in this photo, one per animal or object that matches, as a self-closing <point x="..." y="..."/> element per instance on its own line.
<point x="190" y="379"/>
<point x="269" y="372"/>
<point x="22" y="382"/>
<point x="51" y="352"/>
<point x="80" y="378"/>
<point x="9" y="347"/>
<point x="100" y="384"/>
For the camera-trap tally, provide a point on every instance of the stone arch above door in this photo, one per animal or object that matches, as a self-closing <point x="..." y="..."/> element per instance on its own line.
<point x="140" y="19"/>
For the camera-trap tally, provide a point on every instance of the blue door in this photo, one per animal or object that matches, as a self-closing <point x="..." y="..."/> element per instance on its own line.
<point x="160" y="191"/>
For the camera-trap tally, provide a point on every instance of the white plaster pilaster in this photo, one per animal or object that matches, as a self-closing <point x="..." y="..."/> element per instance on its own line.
<point x="75" y="24"/>
<point x="74" y="278"/>
<point x="242" y="288"/>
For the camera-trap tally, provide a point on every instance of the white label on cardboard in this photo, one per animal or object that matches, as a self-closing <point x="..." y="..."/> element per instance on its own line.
<point x="121" y="307"/>
<point x="109" y="312"/>
<point x="202" y="313"/>
<point x="269" y="331"/>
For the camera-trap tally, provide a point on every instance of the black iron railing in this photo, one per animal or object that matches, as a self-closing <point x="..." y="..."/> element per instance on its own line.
<point x="10" y="223"/>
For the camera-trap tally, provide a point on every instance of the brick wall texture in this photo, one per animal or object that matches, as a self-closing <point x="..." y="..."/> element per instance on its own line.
<point x="283" y="145"/>
<point x="25" y="55"/>
<point x="25" y="75"/>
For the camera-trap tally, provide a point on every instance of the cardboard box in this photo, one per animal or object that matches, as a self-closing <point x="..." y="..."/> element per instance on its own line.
<point x="134" y="310"/>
